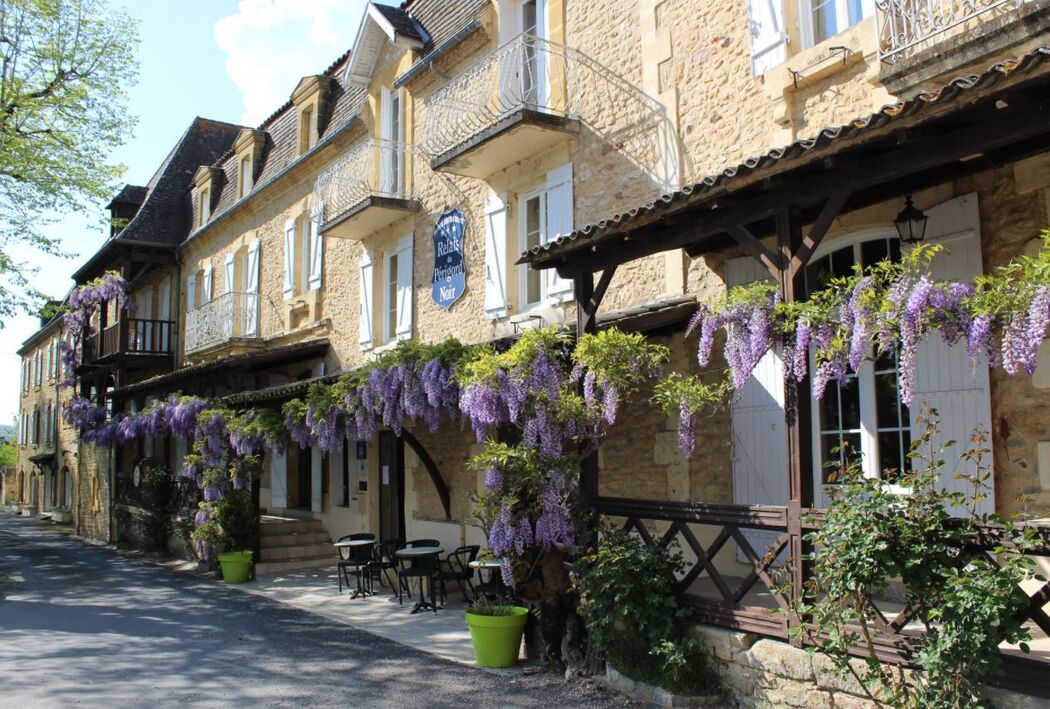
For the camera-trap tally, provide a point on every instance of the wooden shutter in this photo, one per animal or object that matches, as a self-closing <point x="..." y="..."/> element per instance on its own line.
<point x="251" y="304"/>
<point x="279" y="480"/>
<point x="405" y="290"/>
<point x="289" y="259"/>
<point x="191" y="292"/>
<point x="944" y="379"/>
<point x="496" y="256"/>
<point x="366" y="269"/>
<point x="316" y="250"/>
<point x="768" y="38"/>
<point x="206" y="285"/>
<point x="230" y="272"/>
<point x="759" y="430"/>
<point x="559" y="223"/>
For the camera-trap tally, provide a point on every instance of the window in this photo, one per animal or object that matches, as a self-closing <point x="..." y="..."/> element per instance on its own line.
<point x="49" y="429"/>
<point x="307" y="132"/>
<point x="244" y="177"/>
<point x="533" y="230"/>
<point x="203" y="206"/>
<point x="822" y="19"/>
<point x="390" y="297"/>
<point x="38" y="369"/>
<point x="35" y="427"/>
<point x="864" y="415"/>
<point x="303" y="251"/>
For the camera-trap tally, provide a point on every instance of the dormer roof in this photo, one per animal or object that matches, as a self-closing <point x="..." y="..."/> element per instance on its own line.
<point x="379" y="25"/>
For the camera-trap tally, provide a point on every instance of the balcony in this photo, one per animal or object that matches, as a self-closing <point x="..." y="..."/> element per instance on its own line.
<point x="515" y="102"/>
<point x="136" y="341"/>
<point x="229" y="319"/>
<point x="368" y="188"/>
<point x="913" y="35"/>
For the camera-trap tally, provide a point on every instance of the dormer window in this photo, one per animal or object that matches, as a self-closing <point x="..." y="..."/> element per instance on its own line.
<point x="205" y="184"/>
<point x="310" y="98"/>
<point x="248" y="148"/>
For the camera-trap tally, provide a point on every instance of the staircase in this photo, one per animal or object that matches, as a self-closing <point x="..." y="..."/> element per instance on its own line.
<point x="287" y="544"/>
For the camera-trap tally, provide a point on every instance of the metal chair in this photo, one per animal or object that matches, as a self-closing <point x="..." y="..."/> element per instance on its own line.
<point x="409" y="569"/>
<point x="353" y="558"/>
<point x="384" y="563"/>
<point x="457" y="568"/>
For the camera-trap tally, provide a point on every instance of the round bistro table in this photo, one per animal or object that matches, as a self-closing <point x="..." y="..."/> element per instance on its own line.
<point x="362" y="591"/>
<point x="422" y="554"/>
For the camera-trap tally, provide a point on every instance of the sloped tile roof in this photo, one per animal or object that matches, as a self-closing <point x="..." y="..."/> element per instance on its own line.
<point x="955" y="90"/>
<point x="441" y="18"/>
<point x="402" y="22"/>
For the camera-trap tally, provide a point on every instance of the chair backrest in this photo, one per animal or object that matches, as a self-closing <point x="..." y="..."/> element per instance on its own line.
<point x="460" y="559"/>
<point x="422" y="543"/>
<point x="385" y="552"/>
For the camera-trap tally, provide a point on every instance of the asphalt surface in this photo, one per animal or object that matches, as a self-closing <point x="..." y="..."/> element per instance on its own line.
<point x="82" y="625"/>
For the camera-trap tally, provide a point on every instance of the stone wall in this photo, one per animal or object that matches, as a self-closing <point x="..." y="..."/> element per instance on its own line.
<point x="762" y="672"/>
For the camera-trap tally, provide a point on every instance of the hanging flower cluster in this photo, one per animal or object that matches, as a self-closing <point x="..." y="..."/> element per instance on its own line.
<point x="84" y="303"/>
<point x="888" y="308"/>
<point x="561" y="400"/>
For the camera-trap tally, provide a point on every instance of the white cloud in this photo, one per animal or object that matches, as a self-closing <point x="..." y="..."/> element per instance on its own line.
<point x="271" y="44"/>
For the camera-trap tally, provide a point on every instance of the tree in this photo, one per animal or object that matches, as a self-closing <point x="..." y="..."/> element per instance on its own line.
<point x="65" y="68"/>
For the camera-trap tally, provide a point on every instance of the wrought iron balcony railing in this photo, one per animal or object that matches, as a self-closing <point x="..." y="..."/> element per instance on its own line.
<point x="228" y="316"/>
<point x="532" y="74"/>
<point x="906" y="26"/>
<point x="375" y="168"/>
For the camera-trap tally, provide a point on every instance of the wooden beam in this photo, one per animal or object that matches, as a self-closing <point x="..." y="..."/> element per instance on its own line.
<point x="432" y="470"/>
<point x="830" y="210"/>
<point x="756" y="248"/>
<point x="587" y="302"/>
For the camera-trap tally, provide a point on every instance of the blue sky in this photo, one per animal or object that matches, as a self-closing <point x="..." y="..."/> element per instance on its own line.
<point x="232" y="61"/>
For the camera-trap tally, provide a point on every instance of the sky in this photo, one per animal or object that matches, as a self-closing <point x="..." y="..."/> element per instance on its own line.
<point x="221" y="59"/>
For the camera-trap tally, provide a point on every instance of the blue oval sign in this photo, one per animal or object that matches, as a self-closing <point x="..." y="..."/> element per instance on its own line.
<point x="450" y="268"/>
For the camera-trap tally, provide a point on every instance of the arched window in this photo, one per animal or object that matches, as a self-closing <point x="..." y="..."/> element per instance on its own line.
<point x="864" y="415"/>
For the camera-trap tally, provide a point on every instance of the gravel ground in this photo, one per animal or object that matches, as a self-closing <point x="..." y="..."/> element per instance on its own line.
<point x="81" y="625"/>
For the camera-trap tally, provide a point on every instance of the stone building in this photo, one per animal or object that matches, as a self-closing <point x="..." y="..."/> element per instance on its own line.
<point x="688" y="136"/>
<point x="47" y="450"/>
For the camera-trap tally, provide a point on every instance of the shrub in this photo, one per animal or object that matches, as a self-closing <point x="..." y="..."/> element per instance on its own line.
<point x="155" y="491"/>
<point x="634" y="619"/>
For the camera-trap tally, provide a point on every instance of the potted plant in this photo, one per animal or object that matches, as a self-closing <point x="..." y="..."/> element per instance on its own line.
<point x="496" y="628"/>
<point x="228" y="530"/>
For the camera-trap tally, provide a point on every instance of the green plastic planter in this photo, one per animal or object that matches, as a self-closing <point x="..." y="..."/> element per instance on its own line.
<point x="236" y="566"/>
<point x="497" y="638"/>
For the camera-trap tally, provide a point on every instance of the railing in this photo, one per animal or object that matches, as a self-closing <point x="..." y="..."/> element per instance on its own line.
<point x="531" y="73"/>
<point x="143" y="337"/>
<point x="737" y="570"/>
<point x="905" y="26"/>
<point x="228" y="316"/>
<point x="375" y="168"/>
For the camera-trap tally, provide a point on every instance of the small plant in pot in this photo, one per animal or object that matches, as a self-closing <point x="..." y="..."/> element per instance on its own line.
<point x="496" y="627"/>
<point x="226" y="531"/>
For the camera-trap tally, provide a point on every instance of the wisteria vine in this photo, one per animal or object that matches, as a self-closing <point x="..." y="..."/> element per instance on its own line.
<point x="82" y="306"/>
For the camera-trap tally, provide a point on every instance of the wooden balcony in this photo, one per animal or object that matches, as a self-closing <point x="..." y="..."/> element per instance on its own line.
<point x="133" y="341"/>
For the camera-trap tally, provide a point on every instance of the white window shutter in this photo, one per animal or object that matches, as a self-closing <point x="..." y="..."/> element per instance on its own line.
<point x="559" y="223"/>
<point x="367" y="267"/>
<point x="289" y="259"/>
<point x="316" y="251"/>
<point x="386" y="153"/>
<point x="496" y="256"/>
<point x="768" y="38"/>
<point x="944" y="379"/>
<point x="758" y="426"/>
<point x="191" y="292"/>
<point x="405" y="288"/>
<point x="230" y="272"/>
<point x="251" y="302"/>
<point x="279" y="480"/>
<point x="206" y="287"/>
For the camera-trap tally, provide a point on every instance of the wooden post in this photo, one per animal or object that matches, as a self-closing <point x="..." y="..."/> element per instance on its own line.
<point x="797" y="412"/>
<point x="586" y="321"/>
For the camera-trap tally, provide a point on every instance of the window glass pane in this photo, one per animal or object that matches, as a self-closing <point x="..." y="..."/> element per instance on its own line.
<point x="849" y="397"/>
<point x="830" y="458"/>
<point x="871" y="252"/>
<point x="825" y="23"/>
<point x="391" y="296"/>
<point x="890" y="455"/>
<point x="829" y="409"/>
<point x="886" y="400"/>
<point x="842" y="262"/>
<point x="533" y="237"/>
<point x="818" y="274"/>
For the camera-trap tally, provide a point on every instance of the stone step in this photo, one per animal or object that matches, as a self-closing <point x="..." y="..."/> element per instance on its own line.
<point x="296" y="539"/>
<point x="269" y="528"/>
<point x="269" y="568"/>
<point x="302" y="551"/>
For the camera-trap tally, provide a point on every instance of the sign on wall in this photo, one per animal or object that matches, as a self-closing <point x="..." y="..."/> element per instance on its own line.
<point x="450" y="268"/>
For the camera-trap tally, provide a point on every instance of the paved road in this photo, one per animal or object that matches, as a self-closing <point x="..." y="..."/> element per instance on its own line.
<point x="80" y="625"/>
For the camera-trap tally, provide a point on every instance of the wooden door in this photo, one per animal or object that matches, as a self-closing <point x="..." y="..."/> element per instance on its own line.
<point x="391" y="486"/>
